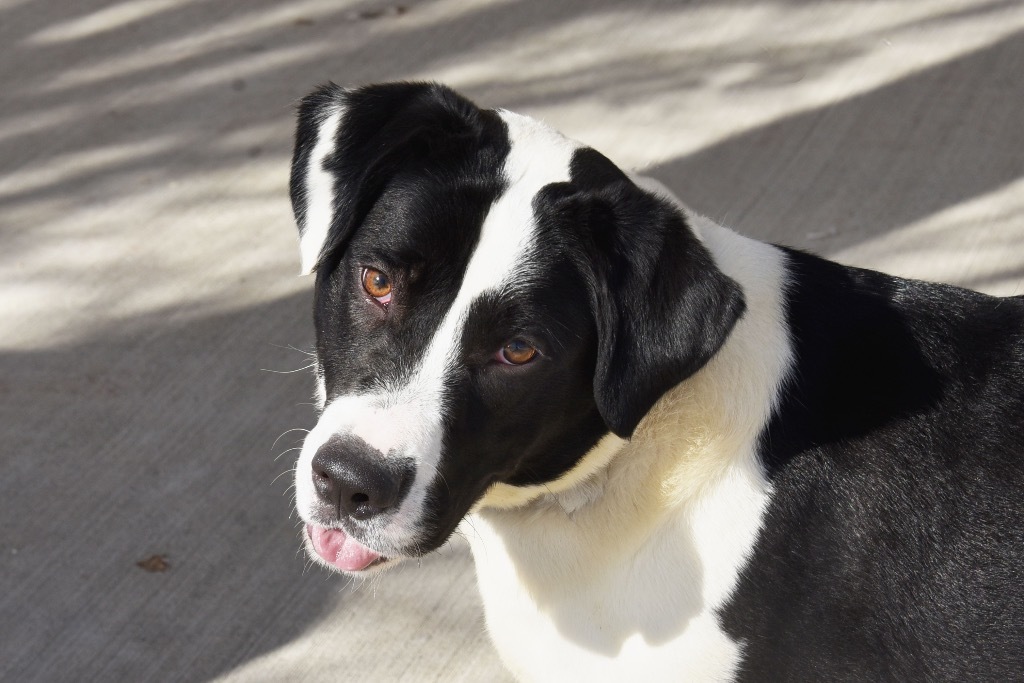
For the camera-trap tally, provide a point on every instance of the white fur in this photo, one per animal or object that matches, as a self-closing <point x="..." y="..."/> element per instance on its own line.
<point x="618" y="576"/>
<point x="319" y="193"/>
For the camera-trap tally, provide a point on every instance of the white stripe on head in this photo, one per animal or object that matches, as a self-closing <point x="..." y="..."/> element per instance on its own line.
<point x="319" y="193"/>
<point x="538" y="156"/>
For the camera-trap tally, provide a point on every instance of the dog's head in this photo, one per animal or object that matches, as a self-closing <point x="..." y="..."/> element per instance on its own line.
<point x="491" y="300"/>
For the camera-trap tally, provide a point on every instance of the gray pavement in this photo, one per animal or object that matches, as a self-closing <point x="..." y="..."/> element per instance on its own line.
<point x="151" y="316"/>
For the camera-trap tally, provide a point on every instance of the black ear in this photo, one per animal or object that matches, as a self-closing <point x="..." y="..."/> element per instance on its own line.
<point x="663" y="307"/>
<point x="349" y="143"/>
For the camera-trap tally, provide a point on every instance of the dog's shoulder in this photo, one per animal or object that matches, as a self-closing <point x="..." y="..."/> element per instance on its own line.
<point x="877" y="356"/>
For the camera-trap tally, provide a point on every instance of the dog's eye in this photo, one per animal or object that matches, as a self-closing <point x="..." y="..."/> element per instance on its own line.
<point x="377" y="285"/>
<point x="517" y="352"/>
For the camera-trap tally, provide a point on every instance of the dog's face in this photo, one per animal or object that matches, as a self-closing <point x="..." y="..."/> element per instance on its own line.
<point x="491" y="299"/>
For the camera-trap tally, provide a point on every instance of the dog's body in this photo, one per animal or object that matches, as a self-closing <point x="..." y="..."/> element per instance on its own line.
<point x="684" y="454"/>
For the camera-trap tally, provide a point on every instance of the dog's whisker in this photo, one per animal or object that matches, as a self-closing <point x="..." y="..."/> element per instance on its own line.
<point x="291" y="347"/>
<point x="282" y="453"/>
<point x="288" y="372"/>
<point x="287" y="431"/>
<point x="286" y="472"/>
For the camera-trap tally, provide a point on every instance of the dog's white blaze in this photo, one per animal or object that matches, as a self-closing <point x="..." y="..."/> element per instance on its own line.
<point x="498" y="261"/>
<point x="407" y="420"/>
<point x="319" y="194"/>
<point x="630" y="580"/>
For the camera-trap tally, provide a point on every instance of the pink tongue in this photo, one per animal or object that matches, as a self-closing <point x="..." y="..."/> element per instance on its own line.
<point x="337" y="548"/>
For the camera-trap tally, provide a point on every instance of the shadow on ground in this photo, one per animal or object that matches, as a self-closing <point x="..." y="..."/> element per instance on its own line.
<point x="137" y="445"/>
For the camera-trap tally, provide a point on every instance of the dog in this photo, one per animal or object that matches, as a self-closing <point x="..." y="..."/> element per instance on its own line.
<point x="683" y="454"/>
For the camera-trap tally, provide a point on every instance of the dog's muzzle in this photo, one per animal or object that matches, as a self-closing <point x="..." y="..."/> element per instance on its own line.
<point x="357" y="488"/>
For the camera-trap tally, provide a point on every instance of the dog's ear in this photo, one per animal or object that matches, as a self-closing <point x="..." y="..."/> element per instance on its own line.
<point x="349" y="143"/>
<point x="662" y="306"/>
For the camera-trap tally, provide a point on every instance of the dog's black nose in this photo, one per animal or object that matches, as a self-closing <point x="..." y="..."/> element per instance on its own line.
<point x="356" y="479"/>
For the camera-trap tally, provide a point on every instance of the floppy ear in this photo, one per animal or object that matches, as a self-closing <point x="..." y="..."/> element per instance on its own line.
<point x="349" y="143"/>
<point x="663" y="308"/>
<point x="312" y="184"/>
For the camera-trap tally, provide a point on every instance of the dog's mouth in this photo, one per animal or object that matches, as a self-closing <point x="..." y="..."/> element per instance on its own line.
<point x="340" y="550"/>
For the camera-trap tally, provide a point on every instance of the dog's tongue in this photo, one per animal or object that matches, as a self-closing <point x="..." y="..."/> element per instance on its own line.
<point x="340" y="550"/>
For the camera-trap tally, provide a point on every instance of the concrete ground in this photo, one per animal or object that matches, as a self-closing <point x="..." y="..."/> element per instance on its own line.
<point x="152" y="324"/>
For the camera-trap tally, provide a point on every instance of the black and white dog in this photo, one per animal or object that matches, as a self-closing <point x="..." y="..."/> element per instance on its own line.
<point x="683" y="454"/>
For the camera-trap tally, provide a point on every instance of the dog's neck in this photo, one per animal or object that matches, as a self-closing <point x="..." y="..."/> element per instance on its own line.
<point x="677" y="505"/>
<point x="737" y="389"/>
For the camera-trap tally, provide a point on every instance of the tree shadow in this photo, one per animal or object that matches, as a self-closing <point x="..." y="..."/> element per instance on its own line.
<point x="853" y="170"/>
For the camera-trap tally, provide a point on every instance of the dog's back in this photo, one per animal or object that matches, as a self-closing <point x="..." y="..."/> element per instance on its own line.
<point x="894" y="545"/>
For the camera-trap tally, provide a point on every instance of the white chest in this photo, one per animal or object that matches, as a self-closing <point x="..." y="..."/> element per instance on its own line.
<point x="581" y="599"/>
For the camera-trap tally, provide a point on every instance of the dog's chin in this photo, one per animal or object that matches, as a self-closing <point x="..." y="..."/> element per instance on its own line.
<point x="335" y="549"/>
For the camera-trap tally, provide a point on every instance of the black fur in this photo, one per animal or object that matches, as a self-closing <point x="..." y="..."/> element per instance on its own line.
<point x="893" y="547"/>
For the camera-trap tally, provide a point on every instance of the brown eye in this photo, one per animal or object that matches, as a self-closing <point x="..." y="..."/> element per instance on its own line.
<point x="517" y="352"/>
<point x="377" y="285"/>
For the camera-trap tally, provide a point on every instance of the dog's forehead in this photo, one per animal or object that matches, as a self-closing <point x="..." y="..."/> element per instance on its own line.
<point x="470" y="266"/>
<point x="536" y="149"/>
<point x="500" y="246"/>
<point x="503" y="254"/>
<point x="538" y="156"/>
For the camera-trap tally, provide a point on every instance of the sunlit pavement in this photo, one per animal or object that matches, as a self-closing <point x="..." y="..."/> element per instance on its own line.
<point x="151" y="313"/>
